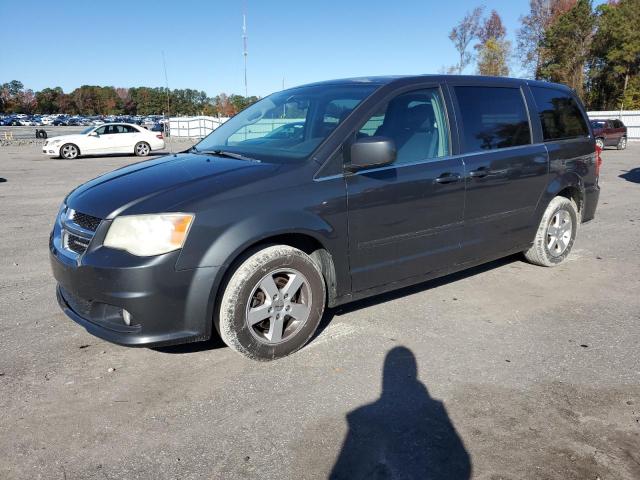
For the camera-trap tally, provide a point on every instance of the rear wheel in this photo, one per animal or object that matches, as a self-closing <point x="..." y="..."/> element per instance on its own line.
<point x="622" y="143"/>
<point x="272" y="303"/>
<point x="69" y="151"/>
<point x="142" y="149"/>
<point x="556" y="233"/>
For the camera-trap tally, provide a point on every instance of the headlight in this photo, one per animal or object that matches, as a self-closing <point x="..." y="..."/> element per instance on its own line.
<point x="146" y="235"/>
<point x="54" y="142"/>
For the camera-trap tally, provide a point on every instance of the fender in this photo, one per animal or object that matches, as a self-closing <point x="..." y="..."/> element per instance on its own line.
<point x="235" y="239"/>
<point x="231" y="243"/>
<point x="555" y="186"/>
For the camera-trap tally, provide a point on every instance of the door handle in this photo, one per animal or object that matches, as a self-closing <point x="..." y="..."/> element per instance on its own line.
<point x="448" y="178"/>
<point x="480" y="172"/>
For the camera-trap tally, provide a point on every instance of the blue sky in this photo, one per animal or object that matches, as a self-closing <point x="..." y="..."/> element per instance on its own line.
<point x="70" y="43"/>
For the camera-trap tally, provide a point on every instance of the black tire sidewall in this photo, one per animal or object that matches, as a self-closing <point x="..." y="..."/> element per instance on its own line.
<point x="569" y="206"/>
<point x="251" y="346"/>
<point x="622" y="143"/>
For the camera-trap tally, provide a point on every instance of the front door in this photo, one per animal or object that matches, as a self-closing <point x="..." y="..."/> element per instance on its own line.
<point x="405" y="219"/>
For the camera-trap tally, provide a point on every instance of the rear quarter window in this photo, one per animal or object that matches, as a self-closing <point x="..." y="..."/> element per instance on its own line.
<point x="560" y="115"/>
<point x="493" y="117"/>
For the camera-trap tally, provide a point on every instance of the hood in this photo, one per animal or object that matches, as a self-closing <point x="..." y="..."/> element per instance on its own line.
<point x="75" y="137"/>
<point x="174" y="178"/>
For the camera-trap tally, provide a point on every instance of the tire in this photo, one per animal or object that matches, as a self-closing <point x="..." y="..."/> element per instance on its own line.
<point x="549" y="250"/>
<point x="142" y="149"/>
<point x="600" y="143"/>
<point x="69" y="151"/>
<point x="622" y="143"/>
<point x="253" y="317"/>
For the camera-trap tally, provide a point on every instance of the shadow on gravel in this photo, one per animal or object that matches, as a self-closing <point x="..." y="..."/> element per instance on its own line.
<point x="404" y="434"/>
<point x="632" y="175"/>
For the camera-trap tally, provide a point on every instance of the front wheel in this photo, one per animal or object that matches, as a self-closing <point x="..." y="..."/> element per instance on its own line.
<point x="272" y="303"/>
<point x="556" y="233"/>
<point x="69" y="151"/>
<point x="622" y="143"/>
<point x="142" y="149"/>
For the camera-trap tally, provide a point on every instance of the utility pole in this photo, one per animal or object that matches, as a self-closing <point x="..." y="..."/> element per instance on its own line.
<point x="244" y="47"/>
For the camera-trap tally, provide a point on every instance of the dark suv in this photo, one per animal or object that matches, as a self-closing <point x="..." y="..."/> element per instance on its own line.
<point x="609" y="133"/>
<point x="387" y="182"/>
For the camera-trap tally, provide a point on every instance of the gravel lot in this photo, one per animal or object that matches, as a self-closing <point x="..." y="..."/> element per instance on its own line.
<point x="522" y="372"/>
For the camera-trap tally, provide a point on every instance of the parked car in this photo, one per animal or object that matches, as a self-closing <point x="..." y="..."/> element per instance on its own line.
<point x="609" y="133"/>
<point x="418" y="177"/>
<point x="105" y="139"/>
<point x="58" y="122"/>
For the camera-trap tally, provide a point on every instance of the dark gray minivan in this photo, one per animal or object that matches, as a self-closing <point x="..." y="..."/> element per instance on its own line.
<point x="320" y="195"/>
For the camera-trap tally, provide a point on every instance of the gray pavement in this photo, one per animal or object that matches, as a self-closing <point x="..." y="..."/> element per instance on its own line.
<point x="522" y="372"/>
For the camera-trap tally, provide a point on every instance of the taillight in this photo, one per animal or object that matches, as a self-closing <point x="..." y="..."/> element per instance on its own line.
<point x="598" y="160"/>
<point x="160" y="136"/>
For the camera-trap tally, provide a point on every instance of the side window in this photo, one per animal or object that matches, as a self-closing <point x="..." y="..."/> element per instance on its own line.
<point x="101" y="130"/>
<point x="416" y="121"/>
<point x="493" y="117"/>
<point x="128" y="129"/>
<point x="559" y="113"/>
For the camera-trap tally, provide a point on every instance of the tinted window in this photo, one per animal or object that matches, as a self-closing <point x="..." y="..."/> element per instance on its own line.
<point x="493" y="117"/>
<point x="416" y="122"/>
<point x="262" y="130"/>
<point x="559" y="114"/>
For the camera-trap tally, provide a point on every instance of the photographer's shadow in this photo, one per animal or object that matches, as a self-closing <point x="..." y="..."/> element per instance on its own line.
<point x="405" y="434"/>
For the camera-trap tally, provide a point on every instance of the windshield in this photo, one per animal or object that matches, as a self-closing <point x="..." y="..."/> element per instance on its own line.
<point x="287" y="125"/>
<point x="597" y="124"/>
<point x="86" y="130"/>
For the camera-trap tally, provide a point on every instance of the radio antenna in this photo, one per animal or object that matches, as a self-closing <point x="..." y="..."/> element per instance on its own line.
<point x="244" y="45"/>
<point x="166" y="84"/>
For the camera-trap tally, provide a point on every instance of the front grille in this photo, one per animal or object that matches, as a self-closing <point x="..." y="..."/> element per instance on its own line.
<point x="75" y="243"/>
<point x="86" y="221"/>
<point x="78" y="230"/>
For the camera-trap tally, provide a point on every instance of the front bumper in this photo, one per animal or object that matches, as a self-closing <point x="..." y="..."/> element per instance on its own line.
<point x="167" y="306"/>
<point x="51" y="150"/>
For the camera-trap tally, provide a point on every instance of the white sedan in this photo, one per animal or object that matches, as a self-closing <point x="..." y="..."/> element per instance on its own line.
<point x="105" y="139"/>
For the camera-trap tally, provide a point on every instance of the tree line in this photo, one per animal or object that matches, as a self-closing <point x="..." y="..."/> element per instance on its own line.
<point x="91" y="100"/>
<point x="596" y="51"/>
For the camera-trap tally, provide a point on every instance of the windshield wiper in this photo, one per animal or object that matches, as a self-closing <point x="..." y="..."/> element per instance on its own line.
<point x="225" y="153"/>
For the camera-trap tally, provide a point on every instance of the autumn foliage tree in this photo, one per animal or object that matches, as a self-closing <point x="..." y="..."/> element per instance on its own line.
<point x="493" y="47"/>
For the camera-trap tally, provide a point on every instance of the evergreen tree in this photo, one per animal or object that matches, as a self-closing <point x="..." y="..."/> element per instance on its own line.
<point x="566" y="47"/>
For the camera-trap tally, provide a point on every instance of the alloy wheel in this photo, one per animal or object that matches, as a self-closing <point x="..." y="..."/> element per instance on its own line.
<point x="278" y="306"/>
<point x="142" y="149"/>
<point x="69" y="151"/>
<point x="559" y="232"/>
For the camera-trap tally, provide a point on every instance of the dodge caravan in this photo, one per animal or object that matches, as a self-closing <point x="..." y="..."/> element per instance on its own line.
<point x="320" y="195"/>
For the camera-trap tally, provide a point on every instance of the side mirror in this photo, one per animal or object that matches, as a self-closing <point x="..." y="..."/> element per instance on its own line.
<point x="94" y="134"/>
<point x="369" y="152"/>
